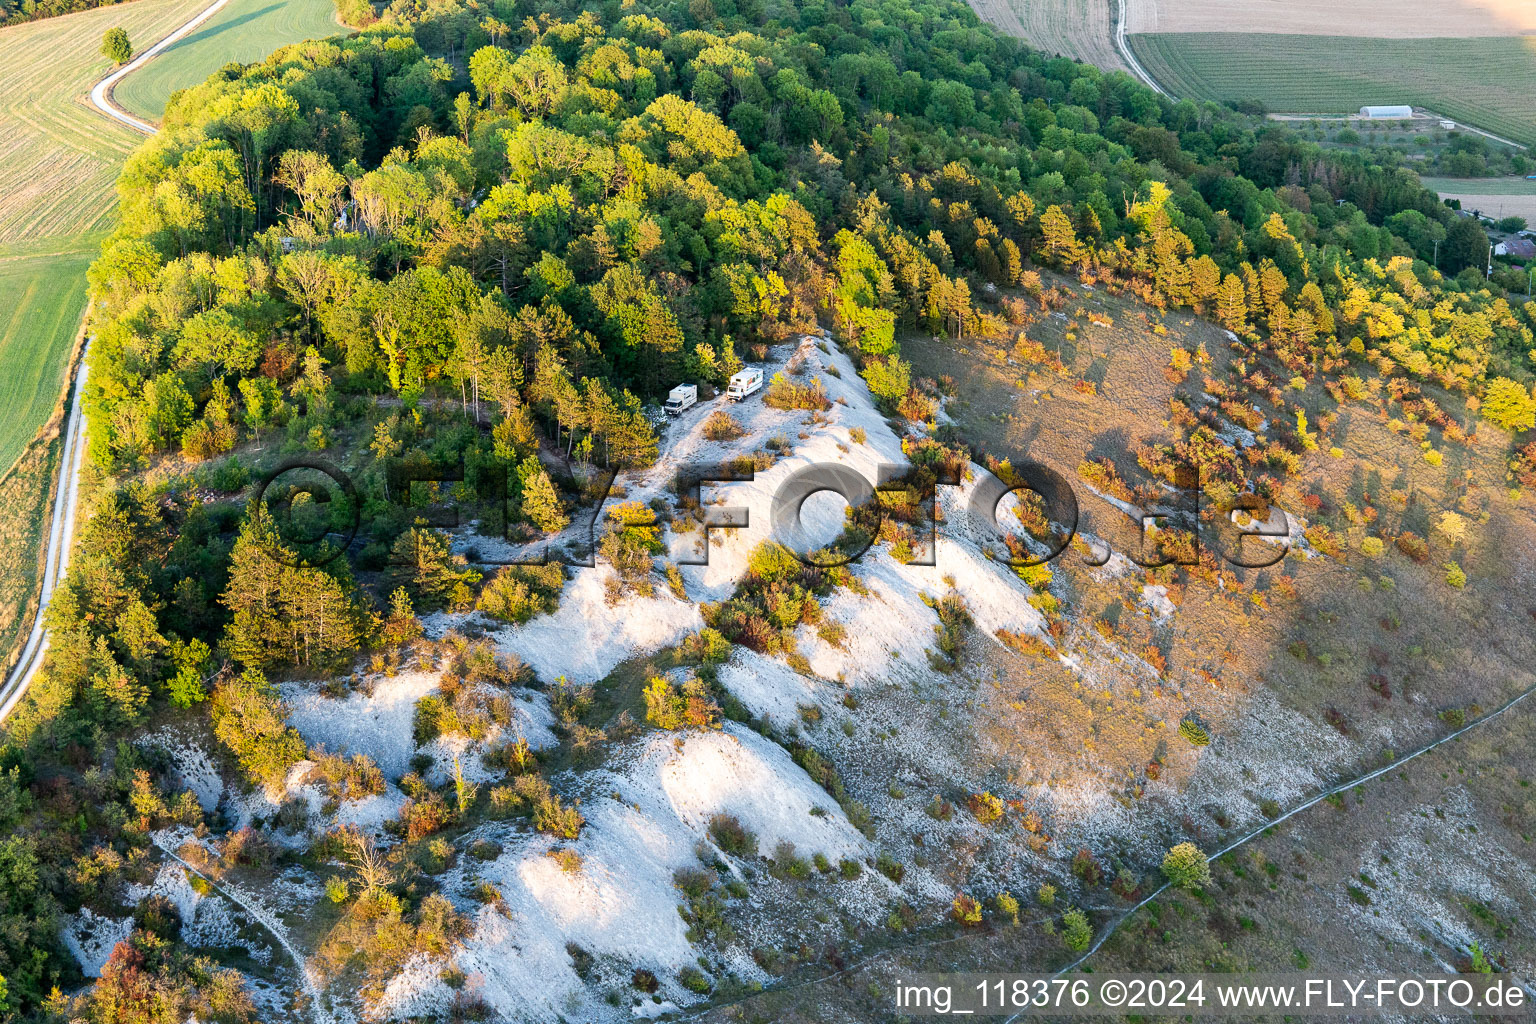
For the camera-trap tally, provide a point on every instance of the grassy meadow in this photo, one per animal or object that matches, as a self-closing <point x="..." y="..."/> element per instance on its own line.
<point x="42" y="296"/>
<point x="243" y="31"/>
<point x="1483" y="186"/>
<point x="59" y="160"/>
<point x="1487" y="82"/>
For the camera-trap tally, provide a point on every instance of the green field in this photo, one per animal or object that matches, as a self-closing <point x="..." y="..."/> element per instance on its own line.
<point x="59" y="160"/>
<point x="1486" y="82"/>
<point x="245" y="31"/>
<point x="1482" y="186"/>
<point x="42" y="296"/>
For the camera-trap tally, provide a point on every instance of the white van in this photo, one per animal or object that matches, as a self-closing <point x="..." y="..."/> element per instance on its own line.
<point x="681" y="398"/>
<point x="744" y="383"/>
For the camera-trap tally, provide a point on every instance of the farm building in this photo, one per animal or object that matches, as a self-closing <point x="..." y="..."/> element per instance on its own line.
<point x="1387" y="112"/>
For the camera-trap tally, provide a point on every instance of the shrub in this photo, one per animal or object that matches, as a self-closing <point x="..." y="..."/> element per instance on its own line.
<point x="849" y="869"/>
<point x="424" y="816"/>
<point x="707" y="645"/>
<point x="347" y="778"/>
<point x="834" y="634"/>
<point x="784" y="393"/>
<point x="692" y="882"/>
<point x="569" y="860"/>
<point x="485" y="849"/>
<point x="954" y="622"/>
<point x="1086" y="867"/>
<point x="857" y="435"/>
<point x="966" y="910"/>
<point x="565" y="822"/>
<point x="203" y="440"/>
<point x="520" y="592"/>
<point x="889" y="380"/>
<point x="902" y="919"/>
<point x="787" y="864"/>
<point x="722" y="426"/>
<point x="1194" y="732"/>
<point x="1185" y="867"/>
<point x="1455" y="575"/>
<point x="1076" y="932"/>
<point x="1007" y="907"/>
<point x="693" y="980"/>
<point x="1412" y="545"/>
<point x="1372" y="547"/>
<point x="1046" y="895"/>
<point x="671" y="708"/>
<point x="986" y="807"/>
<point x="731" y="836"/>
<point x="890" y="867"/>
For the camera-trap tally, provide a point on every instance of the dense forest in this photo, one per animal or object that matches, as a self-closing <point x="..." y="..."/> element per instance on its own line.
<point x="495" y="234"/>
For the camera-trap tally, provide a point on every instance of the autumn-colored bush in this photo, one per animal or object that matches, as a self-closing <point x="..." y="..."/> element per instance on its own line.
<point x="687" y="707"/>
<point x="1086" y="867"/>
<point x="966" y="910"/>
<point x="985" y="807"/>
<point x="722" y="426"/>
<point x="1412" y="545"/>
<point x="784" y="393"/>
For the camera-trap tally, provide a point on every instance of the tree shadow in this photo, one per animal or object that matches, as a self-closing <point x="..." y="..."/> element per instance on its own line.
<point x="211" y="31"/>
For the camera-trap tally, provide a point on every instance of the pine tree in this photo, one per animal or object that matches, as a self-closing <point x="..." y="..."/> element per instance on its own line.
<point x="250" y="720"/>
<point x="541" y="504"/>
<point x="284" y="613"/>
<point x="1231" y="304"/>
<point x="423" y="564"/>
<point x="1060" y="240"/>
<point x="257" y="634"/>
<point x="327" y="625"/>
<point x="1205" y="280"/>
<point x="1013" y="262"/>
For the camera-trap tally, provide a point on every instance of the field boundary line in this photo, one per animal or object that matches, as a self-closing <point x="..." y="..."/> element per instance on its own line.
<point x="101" y="93"/>
<point x="1130" y="58"/>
